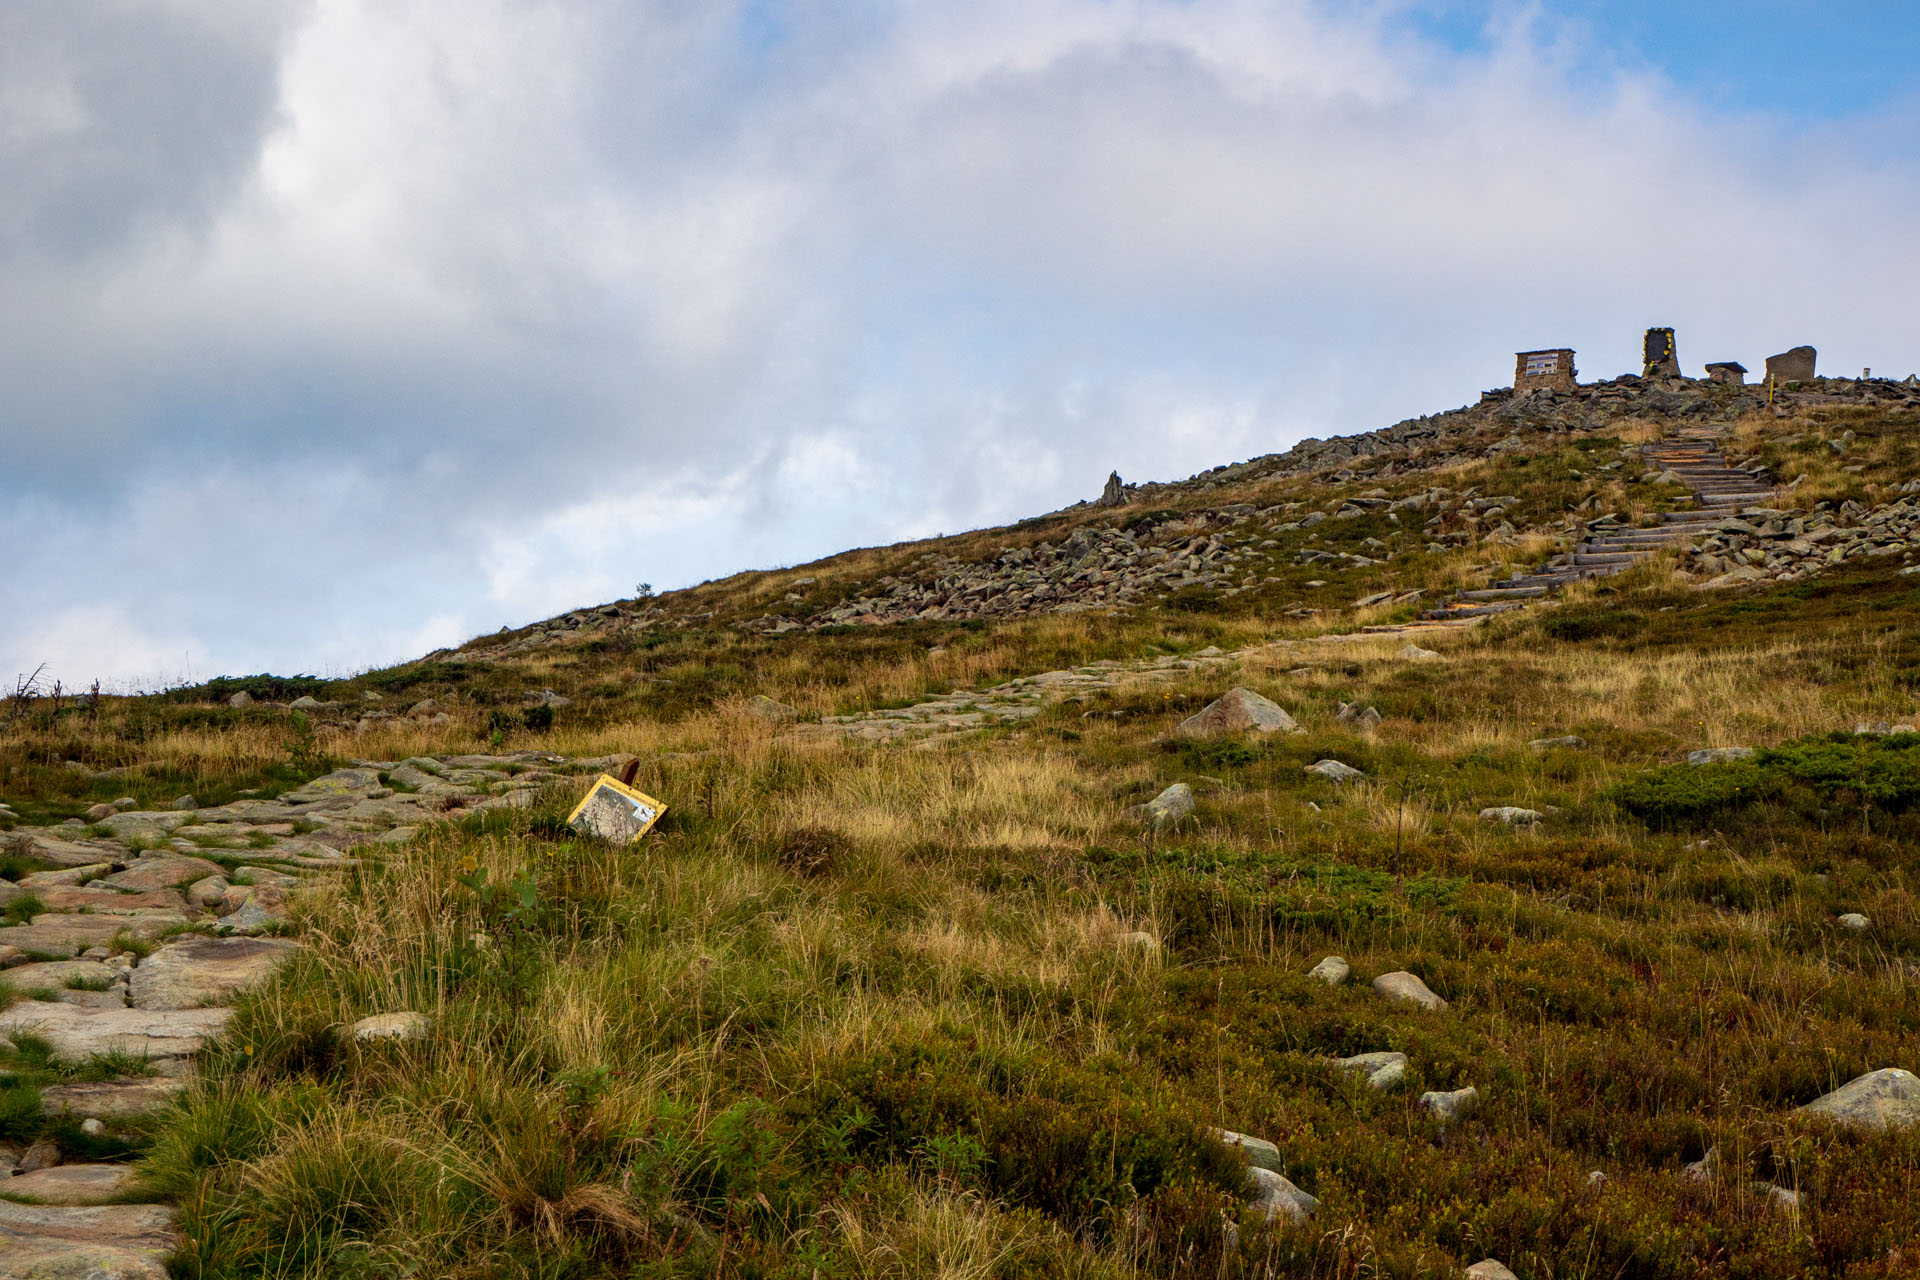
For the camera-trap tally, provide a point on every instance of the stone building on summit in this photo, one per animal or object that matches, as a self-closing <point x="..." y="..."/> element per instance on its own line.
<point x="1552" y="369"/>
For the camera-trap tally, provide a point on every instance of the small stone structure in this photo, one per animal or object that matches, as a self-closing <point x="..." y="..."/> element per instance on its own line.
<point x="1792" y="366"/>
<point x="1552" y="369"/>
<point x="1731" y="372"/>
<point x="1660" y="358"/>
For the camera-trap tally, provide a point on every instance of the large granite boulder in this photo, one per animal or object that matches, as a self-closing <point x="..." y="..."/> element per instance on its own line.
<point x="1235" y="711"/>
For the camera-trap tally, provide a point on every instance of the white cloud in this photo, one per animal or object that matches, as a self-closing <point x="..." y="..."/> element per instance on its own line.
<point x="475" y="312"/>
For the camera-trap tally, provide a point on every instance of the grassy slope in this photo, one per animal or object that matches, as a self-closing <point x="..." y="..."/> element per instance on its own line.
<point x="862" y="1012"/>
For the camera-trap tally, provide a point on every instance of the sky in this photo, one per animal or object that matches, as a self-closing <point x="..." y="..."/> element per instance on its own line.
<point x="335" y="331"/>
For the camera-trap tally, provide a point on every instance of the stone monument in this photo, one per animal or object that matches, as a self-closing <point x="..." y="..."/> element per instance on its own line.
<point x="1731" y="372"/>
<point x="1659" y="357"/>
<point x="1792" y="366"/>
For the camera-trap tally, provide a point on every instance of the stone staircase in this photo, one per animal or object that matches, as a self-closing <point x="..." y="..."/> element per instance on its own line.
<point x="1694" y="458"/>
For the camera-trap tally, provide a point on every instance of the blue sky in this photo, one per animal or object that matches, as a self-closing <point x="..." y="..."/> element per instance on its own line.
<point x="337" y="331"/>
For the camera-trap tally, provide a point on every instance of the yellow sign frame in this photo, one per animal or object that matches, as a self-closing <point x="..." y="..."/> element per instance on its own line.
<point x="607" y="782"/>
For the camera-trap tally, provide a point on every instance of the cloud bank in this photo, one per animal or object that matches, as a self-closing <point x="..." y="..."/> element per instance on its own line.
<point x="339" y="330"/>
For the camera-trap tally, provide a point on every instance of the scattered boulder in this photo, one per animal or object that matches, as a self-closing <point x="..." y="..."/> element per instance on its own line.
<point x="1276" y="1197"/>
<point x="1571" y="742"/>
<point x="1333" y="970"/>
<point x="1512" y="815"/>
<point x="185" y="804"/>
<point x="1884" y="1099"/>
<point x="1261" y="1154"/>
<point x="1451" y="1107"/>
<point x="1404" y="986"/>
<point x="44" y="1154"/>
<point x="207" y="893"/>
<point x="1354" y="716"/>
<point x="1718" y="755"/>
<point x="1854" y="922"/>
<point x="1705" y="1169"/>
<point x="1334" y="771"/>
<point x="100" y="812"/>
<point x="1489" y="1269"/>
<point x="1167" y="808"/>
<point x="1382" y="1070"/>
<point x="240" y="701"/>
<point x="761" y="707"/>
<point x="1414" y="653"/>
<point x="1235" y="711"/>
<point x="405" y="1025"/>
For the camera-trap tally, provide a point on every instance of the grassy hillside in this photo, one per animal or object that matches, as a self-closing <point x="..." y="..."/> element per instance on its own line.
<point x="869" y="1005"/>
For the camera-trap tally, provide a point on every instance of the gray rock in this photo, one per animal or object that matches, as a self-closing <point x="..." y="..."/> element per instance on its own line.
<point x="72" y="1184"/>
<point x="44" y="1154"/>
<point x="1235" y="711"/>
<point x="335" y="785"/>
<point x="1404" y="986"/>
<point x="62" y="936"/>
<point x="1333" y="970"/>
<point x="1261" y="1154"/>
<point x="1334" y="771"/>
<point x="1451" y="1107"/>
<point x="406" y="1025"/>
<point x="1383" y="1070"/>
<point x="207" y="892"/>
<point x="252" y="916"/>
<point x="78" y="1034"/>
<point x="1414" y="653"/>
<point x="1276" y="1197"/>
<point x="54" y="975"/>
<point x="1571" y="742"/>
<point x="1854" y="922"/>
<point x="94" y="1242"/>
<point x="53" y="850"/>
<point x="100" y="812"/>
<point x="1354" y="716"/>
<point x="1512" y="815"/>
<point x="761" y="707"/>
<point x="306" y="702"/>
<point x="1884" y="1099"/>
<point x="1705" y="1169"/>
<point x="114" y="1099"/>
<point x="186" y="804"/>
<point x="161" y="871"/>
<point x="1718" y="755"/>
<point x="240" y="701"/>
<point x="196" y="972"/>
<point x="1167" y="808"/>
<point x="1795" y="365"/>
<point x="1489" y="1269"/>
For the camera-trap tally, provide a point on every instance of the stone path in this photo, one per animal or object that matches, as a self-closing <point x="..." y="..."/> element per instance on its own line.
<point x="141" y="927"/>
<point x="1692" y="458"/>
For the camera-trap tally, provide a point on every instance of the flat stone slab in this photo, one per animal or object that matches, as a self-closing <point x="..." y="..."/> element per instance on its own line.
<point x="79" y="1033"/>
<point x="54" y="850"/>
<point x="146" y="822"/>
<point x="99" y="901"/>
<point x="62" y="937"/>
<point x="1884" y="1099"/>
<point x="110" y="1099"/>
<point x="195" y="972"/>
<point x="333" y="786"/>
<point x="54" y="975"/>
<point x="70" y="1184"/>
<point x="99" y="1242"/>
<point x="165" y="871"/>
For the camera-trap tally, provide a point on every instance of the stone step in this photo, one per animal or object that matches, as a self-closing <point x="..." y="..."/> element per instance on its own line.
<point x="1473" y="610"/>
<point x="166" y="1038"/>
<point x="1501" y="592"/>
<point x="110" y="1099"/>
<point x="122" y="1241"/>
<point x="71" y="1184"/>
<point x="1622" y="558"/>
